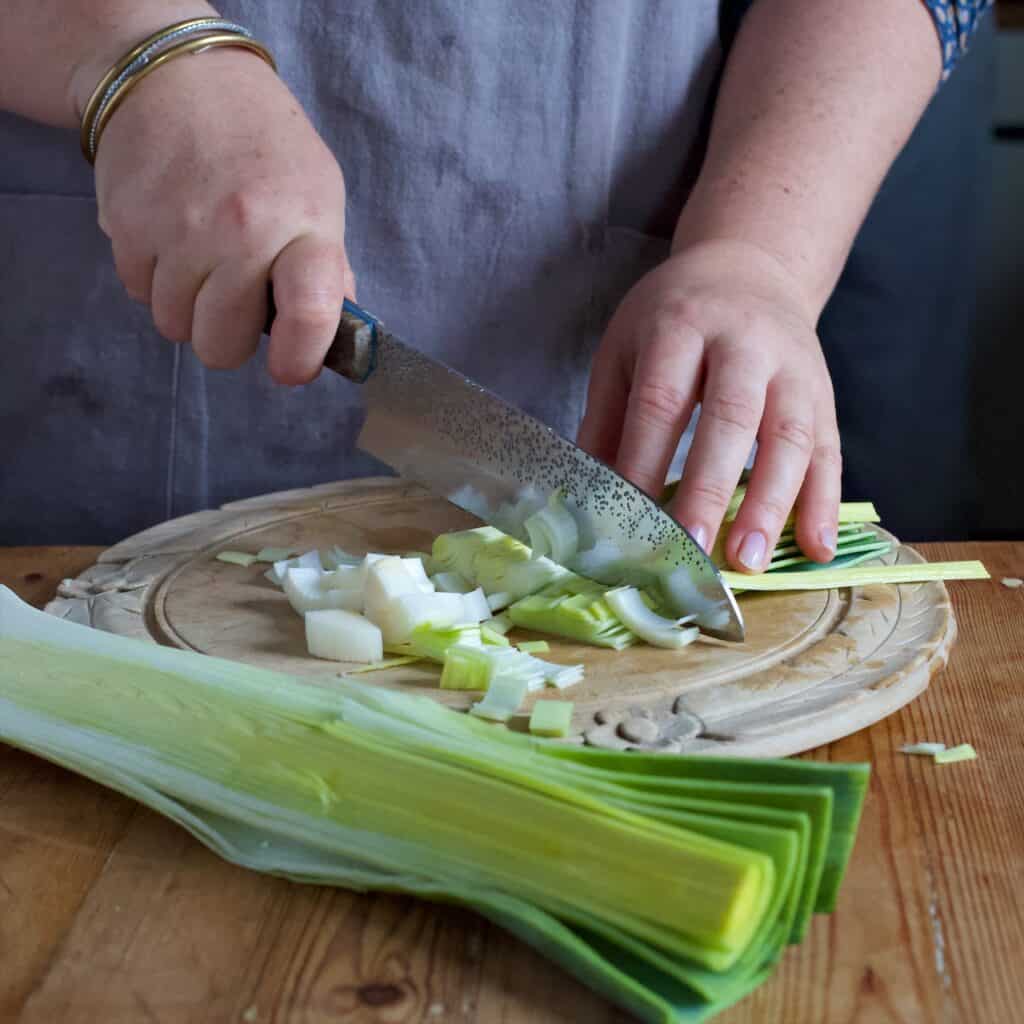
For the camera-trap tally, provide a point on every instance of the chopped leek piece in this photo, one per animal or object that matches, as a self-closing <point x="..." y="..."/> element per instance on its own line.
<point x="274" y="554"/>
<point x="585" y="617"/>
<point x="502" y="700"/>
<point x="490" y="636"/>
<point x="553" y="531"/>
<point x="433" y="644"/>
<point x="456" y="552"/>
<point x="562" y="676"/>
<point x="384" y="663"/>
<point x="407" y="612"/>
<point x="305" y="593"/>
<point x="474" y="606"/>
<point x="534" y="646"/>
<point x="345" y="577"/>
<point x="828" y="579"/>
<point x="551" y="718"/>
<point x="628" y="604"/>
<point x="928" y="749"/>
<point x="309" y="560"/>
<point x="1012" y="582"/>
<point x="242" y="558"/>
<point x="451" y="583"/>
<point x="499" y="624"/>
<point x="335" y="558"/>
<point x="414" y="567"/>
<point x="466" y="667"/>
<point x="963" y="752"/>
<point x="498" y="601"/>
<point x="342" y="636"/>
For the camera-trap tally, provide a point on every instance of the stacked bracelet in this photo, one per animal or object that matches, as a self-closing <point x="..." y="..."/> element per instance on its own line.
<point x="192" y="36"/>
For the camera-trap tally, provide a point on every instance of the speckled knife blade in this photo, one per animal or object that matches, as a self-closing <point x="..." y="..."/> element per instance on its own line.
<point x="436" y="427"/>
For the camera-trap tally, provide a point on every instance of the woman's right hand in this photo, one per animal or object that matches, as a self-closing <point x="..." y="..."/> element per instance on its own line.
<point x="211" y="182"/>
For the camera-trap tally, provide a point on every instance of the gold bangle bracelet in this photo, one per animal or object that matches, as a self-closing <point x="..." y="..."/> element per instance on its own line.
<point x="89" y="113"/>
<point x="186" y="46"/>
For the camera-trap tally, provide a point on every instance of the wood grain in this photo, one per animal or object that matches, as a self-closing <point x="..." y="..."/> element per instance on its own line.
<point x="108" y="913"/>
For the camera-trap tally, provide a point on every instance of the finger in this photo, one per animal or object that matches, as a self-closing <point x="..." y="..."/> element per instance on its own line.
<point x="309" y="277"/>
<point x="662" y="396"/>
<point x="732" y="404"/>
<point x="818" y="505"/>
<point x="784" y="445"/>
<point x="176" y="284"/>
<point x="135" y="271"/>
<point x="607" y="392"/>
<point x="229" y="314"/>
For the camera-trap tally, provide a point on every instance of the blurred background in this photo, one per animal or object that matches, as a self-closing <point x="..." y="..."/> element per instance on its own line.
<point x="997" y="427"/>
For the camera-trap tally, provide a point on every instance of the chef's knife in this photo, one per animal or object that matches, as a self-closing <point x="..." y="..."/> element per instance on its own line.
<point x="438" y="428"/>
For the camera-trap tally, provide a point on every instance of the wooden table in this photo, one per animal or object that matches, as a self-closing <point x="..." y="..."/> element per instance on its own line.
<point x="110" y="914"/>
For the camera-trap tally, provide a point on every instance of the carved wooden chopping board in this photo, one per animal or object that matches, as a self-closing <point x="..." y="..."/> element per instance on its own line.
<point x="816" y="665"/>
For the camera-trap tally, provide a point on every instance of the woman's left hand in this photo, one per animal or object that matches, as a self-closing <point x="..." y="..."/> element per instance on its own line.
<point x="724" y="324"/>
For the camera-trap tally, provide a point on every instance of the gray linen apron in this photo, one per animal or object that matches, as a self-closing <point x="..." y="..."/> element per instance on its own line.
<point x="512" y="169"/>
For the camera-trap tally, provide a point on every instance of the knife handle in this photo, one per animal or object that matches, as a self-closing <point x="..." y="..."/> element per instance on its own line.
<point x="353" y="353"/>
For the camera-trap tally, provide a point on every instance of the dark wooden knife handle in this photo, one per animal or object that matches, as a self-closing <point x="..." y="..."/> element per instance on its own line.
<point x="353" y="353"/>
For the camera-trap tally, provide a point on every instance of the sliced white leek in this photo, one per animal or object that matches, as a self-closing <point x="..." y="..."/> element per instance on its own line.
<point x="451" y="583"/>
<point x="242" y="558"/>
<point x="503" y="699"/>
<point x="630" y="608"/>
<point x="553" y="531"/>
<point x="475" y="606"/>
<point x="338" y="635"/>
<point x="305" y="593"/>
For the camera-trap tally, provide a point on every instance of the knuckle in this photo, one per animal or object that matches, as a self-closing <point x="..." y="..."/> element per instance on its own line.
<point x="657" y="402"/>
<point x="715" y="493"/>
<point x="794" y="432"/>
<point x="828" y="456"/>
<point x="771" y="509"/>
<point x="736" y="410"/>
<point x="244" y="211"/>
<point x="172" y="326"/>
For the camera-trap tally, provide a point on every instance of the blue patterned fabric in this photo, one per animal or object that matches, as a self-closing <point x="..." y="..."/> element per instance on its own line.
<point x="956" y="21"/>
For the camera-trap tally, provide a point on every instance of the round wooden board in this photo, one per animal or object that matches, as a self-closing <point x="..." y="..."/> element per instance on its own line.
<point x="816" y="665"/>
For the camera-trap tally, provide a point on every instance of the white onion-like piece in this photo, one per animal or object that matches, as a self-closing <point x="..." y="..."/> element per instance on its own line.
<point x="414" y="567"/>
<point x="630" y="609"/>
<point x="402" y="614"/>
<point x="309" y="560"/>
<point x="475" y="606"/>
<point x="337" y="635"/>
<point x="451" y="583"/>
<point x="386" y="579"/>
<point x="345" y="577"/>
<point x="306" y="593"/>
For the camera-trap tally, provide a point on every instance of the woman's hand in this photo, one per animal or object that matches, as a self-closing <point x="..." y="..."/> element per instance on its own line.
<point x="211" y="182"/>
<point x="723" y="324"/>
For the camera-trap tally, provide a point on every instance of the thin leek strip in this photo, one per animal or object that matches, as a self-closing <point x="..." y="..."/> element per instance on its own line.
<point x="490" y="636"/>
<point x="434" y="644"/>
<point x="830" y="579"/>
<point x="502" y="700"/>
<point x="384" y="663"/>
<point x="499" y="624"/>
<point x="872" y="549"/>
<point x="963" y="752"/>
<point x="242" y="558"/>
<point x="274" y="554"/>
<point x="583" y="617"/>
<point x="925" y="749"/>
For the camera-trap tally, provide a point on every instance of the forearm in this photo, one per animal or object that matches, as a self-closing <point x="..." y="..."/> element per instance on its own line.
<point x="53" y="52"/>
<point x="817" y="99"/>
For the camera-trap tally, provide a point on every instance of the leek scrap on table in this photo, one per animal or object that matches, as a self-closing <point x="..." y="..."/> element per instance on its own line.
<point x="963" y="752"/>
<point x="368" y="788"/>
<point x="242" y="558"/>
<point x="924" y="749"/>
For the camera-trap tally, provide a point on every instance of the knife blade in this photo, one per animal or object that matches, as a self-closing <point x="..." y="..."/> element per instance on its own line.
<point x="438" y="428"/>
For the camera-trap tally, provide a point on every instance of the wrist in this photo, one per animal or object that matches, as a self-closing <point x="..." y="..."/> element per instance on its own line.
<point x="730" y="216"/>
<point x="118" y="34"/>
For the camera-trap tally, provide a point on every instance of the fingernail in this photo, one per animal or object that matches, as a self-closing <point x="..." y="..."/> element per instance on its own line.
<point x="753" y="550"/>
<point x="828" y="535"/>
<point x="700" y="535"/>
